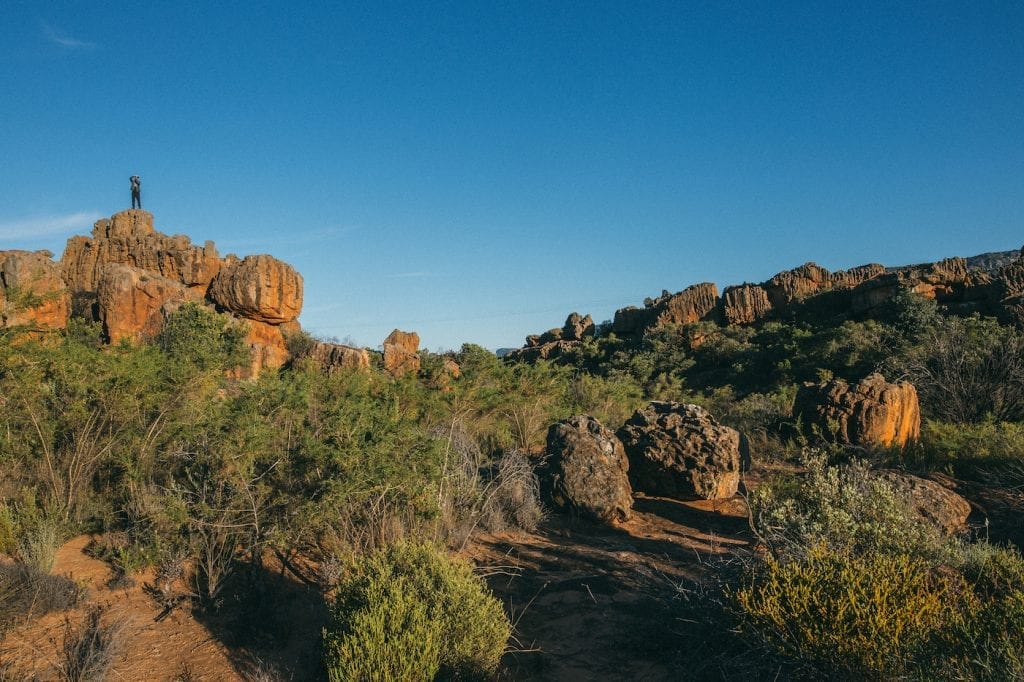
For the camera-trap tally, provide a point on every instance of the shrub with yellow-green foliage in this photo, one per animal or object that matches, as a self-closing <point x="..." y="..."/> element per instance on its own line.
<point x="852" y="587"/>
<point x="411" y="612"/>
<point x="871" y="615"/>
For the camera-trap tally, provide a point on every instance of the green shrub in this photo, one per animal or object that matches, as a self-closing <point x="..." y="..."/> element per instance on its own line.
<point x="844" y="506"/>
<point x="868" y="615"/>
<point x="410" y="612"/>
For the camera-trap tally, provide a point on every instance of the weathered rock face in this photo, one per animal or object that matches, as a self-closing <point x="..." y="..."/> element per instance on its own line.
<point x="128" y="238"/>
<point x="693" y="304"/>
<point x="32" y="293"/>
<point x="260" y="288"/>
<point x="333" y="357"/>
<point x="401" y="353"/>
<point x="131" y="302"/>
<point x="873" y="413"/>
<point x="267" y="348"/>
<point x="587" y="470"/>
<point x="577" y="328"/>
<point x="801" y="282"/>
<point x="933" y="502"/>
<point x="680" y="451"/>
<point x="745" y="303"/>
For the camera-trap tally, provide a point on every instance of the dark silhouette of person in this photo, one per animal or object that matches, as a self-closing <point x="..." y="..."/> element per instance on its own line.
<point x="136" y="191"/>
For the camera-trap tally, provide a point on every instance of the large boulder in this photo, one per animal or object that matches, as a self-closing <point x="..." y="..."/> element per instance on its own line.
<point x="128" y="238"/>
<point x="32" y="292"/>
<point x="334" y="357"/>
<point x="587" y="469"/>
<point x="872" y="413"/>
<point x="131" y="302"/>
<point x="932" y="501"/>
<point x="401" y="353"/>
<point x="680" y="451"/>
<point x="260" y="288"/>
<point x="267" y="348"/>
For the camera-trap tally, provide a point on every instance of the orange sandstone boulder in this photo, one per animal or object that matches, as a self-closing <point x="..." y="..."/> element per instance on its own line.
<point x="745" y="303"/>
<point x="32" y="292"/>
<point x="873" y="412"/>
<point x="267" y="349"/>
<point x="693" y="304"/>
<point x="260" y="288"/>
<point x="332" y="357"/>
<point x="401" y="353"/>
<point x="131" y="302"/>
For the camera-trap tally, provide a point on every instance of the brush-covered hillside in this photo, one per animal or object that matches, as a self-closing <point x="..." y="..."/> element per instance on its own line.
<point x="820" y="476"/>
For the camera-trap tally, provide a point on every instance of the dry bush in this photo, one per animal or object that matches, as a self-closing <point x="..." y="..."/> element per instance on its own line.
<point x="27" y="593"/>
<point x="88" y="651"/>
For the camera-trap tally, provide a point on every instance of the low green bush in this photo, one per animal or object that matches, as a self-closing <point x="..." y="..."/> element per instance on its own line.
<point x="410" y="612"/>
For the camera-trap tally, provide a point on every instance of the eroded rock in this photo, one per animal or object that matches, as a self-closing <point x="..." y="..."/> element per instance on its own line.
<point x="260" y="288"/>
<point x="401" y="353"/>
<point x="131" y="302"/>
<point x="32" y="292"/>
<point x="872" y="413"/>
<point x="681" y="451"/>
<point x="587" y="470"/>
<point x="932" y="501"/>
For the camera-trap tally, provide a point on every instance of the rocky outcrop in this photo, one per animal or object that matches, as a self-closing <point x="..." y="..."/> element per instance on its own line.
<point x="872" y="413"/>
<point x="267" y="347"/>
<point x="260" y="288"/>
<point x="401" y="353"/>
<point x="693" y="304"/>
<point x="334" y="357"/>
<point x="586" y="470"/>
<point x="135" y="275"/>
<point x="933" y="502"/>
<point x="32" y="292"/>
<point x="128" y="238"/>
<point x="745" y="303"/>
<point x="131" y="302"/>
<point x="680" y="451"/>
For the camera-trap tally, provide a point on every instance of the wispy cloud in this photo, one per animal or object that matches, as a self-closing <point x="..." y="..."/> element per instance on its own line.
<point x="64" y="40"/>
<point x="48" y="226"/>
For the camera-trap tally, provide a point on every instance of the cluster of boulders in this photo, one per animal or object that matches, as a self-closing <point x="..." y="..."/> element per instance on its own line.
<point x="130" y="277"/>
<point x="665" y="449"/>
<point x="680" y="451"/>
<point x="993" y="286"/>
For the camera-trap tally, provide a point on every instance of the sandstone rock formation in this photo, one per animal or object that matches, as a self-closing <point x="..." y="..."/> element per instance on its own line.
<point x="872" y="413"/>
<point x="586" y="470"/>
<point x="680" y="451"/>
<point x="32" y="293"/>
<point x="131" y="302"/>
<point x="745" y="303"/>
<point x="136" y="274"/>
<point x="933" y="502"/>
<point x="128" y="238"/>
<point x="401" y="353"/>
<point x="258" y="288"/>
<point x="693" y="304"/>
<point x="334" y="357"/>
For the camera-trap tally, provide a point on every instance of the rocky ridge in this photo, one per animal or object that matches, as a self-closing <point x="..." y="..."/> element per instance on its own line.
<point x="991" y="284"/>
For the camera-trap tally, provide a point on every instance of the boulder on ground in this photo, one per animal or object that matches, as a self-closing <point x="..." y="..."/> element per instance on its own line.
<point x="872" y="413"/>
<point x="32" y="292"/>
<point x="932" y="501"/>
<point x="587" y="470"/>
<point x="680" y="451"/>
<point x="260" y="288"/>
<point x="401" y="353"/>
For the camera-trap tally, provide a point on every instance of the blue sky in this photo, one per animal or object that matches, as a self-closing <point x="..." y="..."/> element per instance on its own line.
<point x="475" y="171"/>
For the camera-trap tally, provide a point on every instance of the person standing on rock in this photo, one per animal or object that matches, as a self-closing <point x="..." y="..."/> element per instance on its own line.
<point x="136" y="191"/>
